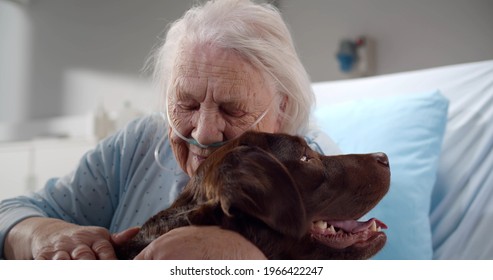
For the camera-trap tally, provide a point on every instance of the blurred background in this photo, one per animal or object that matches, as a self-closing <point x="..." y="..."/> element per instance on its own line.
<point x="64" y="57"/>
<point x="69" y="68"/>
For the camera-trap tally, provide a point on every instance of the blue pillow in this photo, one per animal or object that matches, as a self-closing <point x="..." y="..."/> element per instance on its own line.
<point x="409" y="129"/>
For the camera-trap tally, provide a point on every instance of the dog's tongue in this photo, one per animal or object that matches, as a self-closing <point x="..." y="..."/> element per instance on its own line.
<point x="353" y="226"/>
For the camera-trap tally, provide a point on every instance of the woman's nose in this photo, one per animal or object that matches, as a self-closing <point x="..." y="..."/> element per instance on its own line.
<point x="209" y="128"/>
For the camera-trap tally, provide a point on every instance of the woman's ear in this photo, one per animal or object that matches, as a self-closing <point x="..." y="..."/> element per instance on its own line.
<point x="283" y="104"/>
<point x="282" y="111"/>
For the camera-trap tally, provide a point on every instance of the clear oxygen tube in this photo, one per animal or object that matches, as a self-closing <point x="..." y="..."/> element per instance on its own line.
<point x="190" y="140"/>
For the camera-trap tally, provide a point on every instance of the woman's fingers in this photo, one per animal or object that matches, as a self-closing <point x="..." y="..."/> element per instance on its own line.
<point x="101" y="249"/>
<point x="104" y="250"/>
<point x="82" y="252"/>
<point x="61" y="255"/>
<point x="124" y="236"/>
<point x="53" y="255"/>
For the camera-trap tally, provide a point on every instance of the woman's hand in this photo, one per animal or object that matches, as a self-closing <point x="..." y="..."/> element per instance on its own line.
<point x="204" y="242"/>
<point x="46" y="238"/>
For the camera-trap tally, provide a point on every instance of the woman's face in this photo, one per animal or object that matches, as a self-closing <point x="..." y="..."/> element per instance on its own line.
<point x="215" y="96"/>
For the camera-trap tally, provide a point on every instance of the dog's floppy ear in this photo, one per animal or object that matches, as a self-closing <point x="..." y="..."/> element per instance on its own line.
<point x="252" y="181"/>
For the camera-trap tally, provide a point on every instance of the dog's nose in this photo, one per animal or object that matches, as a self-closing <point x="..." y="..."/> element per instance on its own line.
<point x="382" y="158"/>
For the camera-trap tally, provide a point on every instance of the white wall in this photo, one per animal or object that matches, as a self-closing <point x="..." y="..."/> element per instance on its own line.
<point x="15" y="50"/>
<point x="66" y="43"/>
<point x="111" y="37"/>
<point x="63" y="57"/>
<point x="409" y="34"/>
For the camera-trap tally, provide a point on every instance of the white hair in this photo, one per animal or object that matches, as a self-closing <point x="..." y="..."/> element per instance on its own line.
<point x="255" y="31"/>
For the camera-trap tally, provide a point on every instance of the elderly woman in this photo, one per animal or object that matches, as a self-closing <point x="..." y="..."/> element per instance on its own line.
<point x="225" y="67"/>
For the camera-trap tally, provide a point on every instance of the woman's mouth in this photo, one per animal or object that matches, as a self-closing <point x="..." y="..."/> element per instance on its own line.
<point x="199" y="159"/>
<point x="200" y="156"/>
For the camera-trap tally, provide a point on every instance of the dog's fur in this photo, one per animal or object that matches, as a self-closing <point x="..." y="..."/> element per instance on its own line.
<point x="271" y="188"/>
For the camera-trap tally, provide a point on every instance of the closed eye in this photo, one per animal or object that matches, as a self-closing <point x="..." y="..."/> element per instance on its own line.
<point x="188" y="105"/>
<point x="233" y="110"/>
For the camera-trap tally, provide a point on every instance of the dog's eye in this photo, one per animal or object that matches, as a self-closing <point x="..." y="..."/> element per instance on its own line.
<point x="304" y="158"/>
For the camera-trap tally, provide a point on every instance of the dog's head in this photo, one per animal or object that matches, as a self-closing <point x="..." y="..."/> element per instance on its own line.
<point x="299" y="193"/>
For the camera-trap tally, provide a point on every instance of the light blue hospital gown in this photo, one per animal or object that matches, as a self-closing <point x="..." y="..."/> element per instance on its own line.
<point x="118" y="184"/>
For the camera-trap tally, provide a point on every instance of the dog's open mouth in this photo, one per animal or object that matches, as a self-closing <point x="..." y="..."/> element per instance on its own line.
<point x="343" y="234"/>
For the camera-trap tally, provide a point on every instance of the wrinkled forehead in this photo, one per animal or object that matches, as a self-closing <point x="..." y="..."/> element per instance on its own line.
<point x="216" y="64"/>
<point x="225" y="74"/>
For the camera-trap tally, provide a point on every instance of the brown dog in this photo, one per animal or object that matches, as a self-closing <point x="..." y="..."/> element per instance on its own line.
<point x="290" y="201"/>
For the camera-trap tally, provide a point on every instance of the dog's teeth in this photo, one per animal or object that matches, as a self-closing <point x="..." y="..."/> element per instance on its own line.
<point x="373" y="226"/>
<point x="321" y="224"/>
<point x="331" y="229"/>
